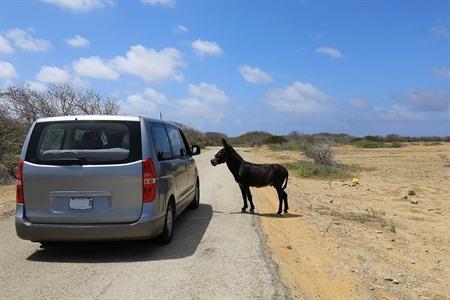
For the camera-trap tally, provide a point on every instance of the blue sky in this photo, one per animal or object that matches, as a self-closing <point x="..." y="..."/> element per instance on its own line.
<point x="360" y="67"/>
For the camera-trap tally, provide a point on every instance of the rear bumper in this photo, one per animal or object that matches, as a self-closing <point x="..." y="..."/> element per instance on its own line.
<point x="146" y="227"/>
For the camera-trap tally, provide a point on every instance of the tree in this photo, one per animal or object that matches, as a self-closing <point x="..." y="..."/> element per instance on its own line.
<point x="26" y="105"/>
<point x="20" y="106"/>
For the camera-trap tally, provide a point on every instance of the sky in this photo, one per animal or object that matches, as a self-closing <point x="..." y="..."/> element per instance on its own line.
<point x="357" y="67"/>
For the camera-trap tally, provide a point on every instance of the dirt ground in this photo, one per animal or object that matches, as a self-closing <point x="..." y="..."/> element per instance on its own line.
<point x="356" y="242"/>
<point x="366" y="241"/>
<point x="7" y="200"/>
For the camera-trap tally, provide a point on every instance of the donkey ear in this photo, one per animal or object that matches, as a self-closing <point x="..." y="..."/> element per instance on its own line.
<point x="224" y="143"/>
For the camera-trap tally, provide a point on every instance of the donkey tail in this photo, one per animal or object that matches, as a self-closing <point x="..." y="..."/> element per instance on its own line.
<point x="287" y="177"/>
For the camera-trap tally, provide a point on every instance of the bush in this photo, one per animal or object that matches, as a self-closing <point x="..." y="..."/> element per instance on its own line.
<point x="322" y="154"/>
<point x="275" y="139"/>
<point x="369" y="143"/>
<point x="12" y="135"/>
<point x="308" y="169"/>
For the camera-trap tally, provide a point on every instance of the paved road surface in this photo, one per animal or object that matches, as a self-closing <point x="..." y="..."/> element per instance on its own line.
<point x="216" y="253"/>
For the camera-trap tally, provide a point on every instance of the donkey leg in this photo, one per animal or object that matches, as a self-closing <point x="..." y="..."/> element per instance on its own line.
<point x="244" y="197"/>
<point x="280" y="200"/>
<point x="286" y="205"/>
<point x="250" y="199"/>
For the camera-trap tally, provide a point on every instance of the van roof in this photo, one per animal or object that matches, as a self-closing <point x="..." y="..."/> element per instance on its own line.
<point x="98" y="118"/>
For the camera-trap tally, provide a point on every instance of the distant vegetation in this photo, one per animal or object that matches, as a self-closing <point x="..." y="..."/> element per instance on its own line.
<point x="375" y="144"/>
<point x="20" y="106"/>
<point x="297" y="141"/>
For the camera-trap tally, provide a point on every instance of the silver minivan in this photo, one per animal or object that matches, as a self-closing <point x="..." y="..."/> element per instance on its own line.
<point x="86" y="178"/>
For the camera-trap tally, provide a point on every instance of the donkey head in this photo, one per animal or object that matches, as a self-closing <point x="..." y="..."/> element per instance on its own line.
<point x="222" y="155"/>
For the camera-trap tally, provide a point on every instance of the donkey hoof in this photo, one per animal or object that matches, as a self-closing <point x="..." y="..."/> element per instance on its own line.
<point x="285" y="211"/>
<point x="279" y="212"/>
<point x="243" y="210"/>
<point x="252" y="211"/>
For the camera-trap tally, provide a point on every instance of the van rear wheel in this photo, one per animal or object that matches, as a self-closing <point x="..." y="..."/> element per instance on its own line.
<point x="196" y="202"/>
<point x="166" y="236"/>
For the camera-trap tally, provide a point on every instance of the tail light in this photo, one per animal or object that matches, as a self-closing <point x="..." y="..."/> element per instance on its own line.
<point x="148" y="180"/>
<point x="19" y="186"/>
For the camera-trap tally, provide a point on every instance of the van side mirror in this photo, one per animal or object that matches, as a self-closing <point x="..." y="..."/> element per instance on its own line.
<point x="195" y="150"/>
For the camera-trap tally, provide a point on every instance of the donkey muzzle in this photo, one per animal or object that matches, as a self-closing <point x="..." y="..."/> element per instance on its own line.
<point x="214" y="162"/>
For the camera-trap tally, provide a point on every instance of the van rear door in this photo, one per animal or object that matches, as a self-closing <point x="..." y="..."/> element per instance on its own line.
<point x="82" y="172"/>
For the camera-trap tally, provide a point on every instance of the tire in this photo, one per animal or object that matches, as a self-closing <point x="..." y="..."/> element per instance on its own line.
<point x="196" y="202"/>
<point x="166" y="236"/>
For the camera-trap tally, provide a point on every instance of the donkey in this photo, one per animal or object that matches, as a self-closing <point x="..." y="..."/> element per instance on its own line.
<point x="248" y="174"/>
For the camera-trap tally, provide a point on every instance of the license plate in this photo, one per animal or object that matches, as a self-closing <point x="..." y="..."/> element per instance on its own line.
<point x="80" y="203"/>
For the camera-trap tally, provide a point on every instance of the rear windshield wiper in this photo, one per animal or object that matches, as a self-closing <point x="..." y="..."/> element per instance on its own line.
<point x="69" y="161"/>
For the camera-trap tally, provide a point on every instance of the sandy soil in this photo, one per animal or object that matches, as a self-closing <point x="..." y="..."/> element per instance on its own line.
<point x="368" y="241"/>
<point x="7" y="200"/>
<point x="344" y="242"/>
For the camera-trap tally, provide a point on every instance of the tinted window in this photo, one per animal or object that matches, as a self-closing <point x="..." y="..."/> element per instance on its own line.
<point x="85" y="142"/>
<point x="161" y="141"/>
<point x="176" y="143"/>
<point x="185" y="142"/>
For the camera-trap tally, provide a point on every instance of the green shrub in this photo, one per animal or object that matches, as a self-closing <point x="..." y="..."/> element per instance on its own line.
<point x="365" y="143"/>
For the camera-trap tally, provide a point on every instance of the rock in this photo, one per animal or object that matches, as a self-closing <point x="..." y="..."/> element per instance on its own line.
<point x="289" y="247"/>
<point x="396" y="281"/>
<point x="413" y="201"/>
<point x="411" y="193"/>
<point x="379" y="231"/>
<point x="388" y="278"/>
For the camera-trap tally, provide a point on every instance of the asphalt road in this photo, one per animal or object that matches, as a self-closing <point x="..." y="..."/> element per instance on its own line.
<point x="216" y="253"/>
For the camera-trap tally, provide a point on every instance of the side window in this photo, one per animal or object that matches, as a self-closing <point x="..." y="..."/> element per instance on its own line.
<point x="185" y="142"/>
<point x="161" y="141"/>
<point x="176" y="143"/>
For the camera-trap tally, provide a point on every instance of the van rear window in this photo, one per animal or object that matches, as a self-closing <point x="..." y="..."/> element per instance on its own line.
<point x="85" y="142"/>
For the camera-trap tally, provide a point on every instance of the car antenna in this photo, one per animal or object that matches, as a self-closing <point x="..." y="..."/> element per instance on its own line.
<point x="160" y="116"/>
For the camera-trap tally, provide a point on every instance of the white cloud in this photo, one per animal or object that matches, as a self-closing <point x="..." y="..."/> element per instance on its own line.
<point x="155" y="97"/>
<point x="358" y="103"/>
<point x="379" y="113"/>
<point x="254" y="75"/>
<point x="442" y="72"/>
<point x="94" y="67"/>
<point x="80" y="5"/>
<point x="331" y="52"/>
<point x="188" y="110"/>
<point x="208" y="92"/>
<point x="180" y="29"/>
<point x="203" y="48"/>
<point x="37" y="86"/>
<point x="441" y="31"/>
<point x="23" y="40"/>
<point x="78" y="41"/>
<point x="195" y="108"/>
<point x="53" y="75"/>
<point x="168" y="3"/>
<point x="7" y="71"/>
<point x="5" y="46"/>
<point x="299" y="97"/>
<point x="151" y="65"/>
<point x="80" y="82"/>
<point x="427" y="100"/>
<point x="396" y="113"/>
<point x="137" y="104"/>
